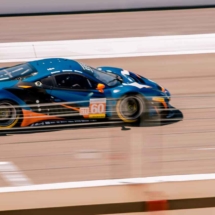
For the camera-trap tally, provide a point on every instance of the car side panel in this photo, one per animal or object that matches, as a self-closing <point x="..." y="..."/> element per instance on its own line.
<point x="6" y="95"/>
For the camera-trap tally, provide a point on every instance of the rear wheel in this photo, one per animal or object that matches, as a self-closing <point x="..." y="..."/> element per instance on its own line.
<point x="9" y="114"/>
<point x="131" y="108"/>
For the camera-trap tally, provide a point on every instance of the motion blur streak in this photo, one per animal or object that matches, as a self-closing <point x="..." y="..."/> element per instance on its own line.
<point x="140" y="152"/>
<point x="180" y="150"/>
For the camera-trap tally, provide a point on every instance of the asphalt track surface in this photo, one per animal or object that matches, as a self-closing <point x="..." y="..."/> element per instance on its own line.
<point x="184" y="147"/>
<point x="107" y="25"/>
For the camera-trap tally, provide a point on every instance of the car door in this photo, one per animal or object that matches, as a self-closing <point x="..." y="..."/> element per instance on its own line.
<point x="78" y="93"/>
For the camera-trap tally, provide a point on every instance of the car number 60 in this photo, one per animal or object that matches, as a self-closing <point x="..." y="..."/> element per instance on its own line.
<point x="97" y="108"/>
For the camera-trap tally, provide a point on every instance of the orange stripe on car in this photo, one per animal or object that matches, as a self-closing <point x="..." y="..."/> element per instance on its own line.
<point x="161" y="100"/>
<point x="162" y="89"/>
<point x="25" y="87"/>
<point x="76" y="109"/>
<point x="30" y="117"/>
<point x="70" y="107"/>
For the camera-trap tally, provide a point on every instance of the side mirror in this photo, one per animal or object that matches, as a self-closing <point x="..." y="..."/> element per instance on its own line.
<point x="100" y="87"/>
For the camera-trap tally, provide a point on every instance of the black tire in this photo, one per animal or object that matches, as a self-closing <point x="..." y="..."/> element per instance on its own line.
<point x="132" y="108"/>
<point x="10" y="114"/>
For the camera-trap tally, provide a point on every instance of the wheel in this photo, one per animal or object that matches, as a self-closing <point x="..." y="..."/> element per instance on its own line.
<point x="9" y="114"/>
<point x="131" y="108"/>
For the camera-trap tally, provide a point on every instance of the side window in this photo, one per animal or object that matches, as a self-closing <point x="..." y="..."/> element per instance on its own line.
<point x="73" y="81"/>
<point x="93" y="84"/>
<point x="47" y="82"/>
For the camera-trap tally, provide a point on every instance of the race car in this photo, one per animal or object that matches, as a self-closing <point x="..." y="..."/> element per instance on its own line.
<point x="61" y="91"/>
<point x="135" y="78"/>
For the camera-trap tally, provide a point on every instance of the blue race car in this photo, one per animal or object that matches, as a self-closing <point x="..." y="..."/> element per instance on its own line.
<point x="61" y="91"/>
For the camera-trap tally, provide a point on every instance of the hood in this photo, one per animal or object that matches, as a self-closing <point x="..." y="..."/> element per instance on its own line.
<point x="126" y="75"/>
<point x="149" y="83"/>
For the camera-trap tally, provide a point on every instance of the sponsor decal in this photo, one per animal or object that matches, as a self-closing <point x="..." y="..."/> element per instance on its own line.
<point x="125" y="72"/>
<point x="109" y="71"/>
<point x="84" y="111"/>
<point x="140" y="86"/>
<point x="67" y="70"/>
<point x="55" y="72"/>
<point x="97" y="109"/>
<point x="50" y="69"/>
<point x="116" y="91"/>
<point x="61" y="122"/>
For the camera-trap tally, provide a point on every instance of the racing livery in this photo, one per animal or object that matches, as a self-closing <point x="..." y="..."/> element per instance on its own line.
<point x="50" y="91"/>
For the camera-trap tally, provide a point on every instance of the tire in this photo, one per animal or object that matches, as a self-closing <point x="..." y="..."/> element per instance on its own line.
<point x="10" y="115"/>
<point x="131" y="108"/>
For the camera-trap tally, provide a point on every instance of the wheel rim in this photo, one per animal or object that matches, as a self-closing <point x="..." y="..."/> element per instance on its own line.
<point x="8" y="114"/>
<point x="131" y="108"/>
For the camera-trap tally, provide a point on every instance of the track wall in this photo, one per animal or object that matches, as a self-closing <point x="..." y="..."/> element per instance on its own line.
<point x="56" y="6"/>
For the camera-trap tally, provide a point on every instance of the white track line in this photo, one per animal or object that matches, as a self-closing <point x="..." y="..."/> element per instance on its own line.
<point x="114" y="182"/>
<point x="88" y="154"/>
<point x="11" y="174"/>
<point x="108" y="48"/>
<point x="204" y="149"/>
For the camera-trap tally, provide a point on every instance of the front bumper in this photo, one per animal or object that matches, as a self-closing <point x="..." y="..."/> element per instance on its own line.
<point x="164" y="113"/>
<point x="160" y="106"/>
<point x="169" y="113"/>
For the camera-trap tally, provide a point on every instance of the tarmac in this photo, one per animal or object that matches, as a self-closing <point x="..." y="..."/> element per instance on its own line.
<point x="183" y="147"/>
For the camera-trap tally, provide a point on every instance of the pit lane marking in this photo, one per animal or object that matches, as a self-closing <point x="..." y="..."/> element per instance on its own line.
<point x="12" y="175"/>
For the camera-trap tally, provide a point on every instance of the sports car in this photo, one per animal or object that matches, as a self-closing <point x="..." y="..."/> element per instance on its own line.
<point x="61" y="91"/>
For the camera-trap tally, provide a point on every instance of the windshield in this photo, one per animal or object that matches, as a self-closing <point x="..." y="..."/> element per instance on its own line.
<point x="18" y="72"/>
<point x="109" y="79"/>
<point x="129" y="78"/>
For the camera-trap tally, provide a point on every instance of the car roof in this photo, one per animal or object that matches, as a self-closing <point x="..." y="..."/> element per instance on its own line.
<point x="54" y="65"/>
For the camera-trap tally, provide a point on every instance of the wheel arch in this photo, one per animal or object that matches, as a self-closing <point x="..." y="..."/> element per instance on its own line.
<point x="19" y="115"/>
<point x="131" y="94"/>
<point x="135" y="93"/>
<point x="7" y="95"/>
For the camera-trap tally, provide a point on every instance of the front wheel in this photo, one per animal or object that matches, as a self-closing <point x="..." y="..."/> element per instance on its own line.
<point x="9" y="114"/>
<point x="131" y="108"/>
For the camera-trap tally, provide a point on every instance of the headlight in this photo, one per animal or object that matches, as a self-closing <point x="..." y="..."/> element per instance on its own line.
<point x="158" y="99"/>
<point x="161" y="100"/>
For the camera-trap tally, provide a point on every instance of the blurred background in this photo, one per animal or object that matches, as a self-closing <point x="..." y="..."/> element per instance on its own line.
<point x="82" y="154"/>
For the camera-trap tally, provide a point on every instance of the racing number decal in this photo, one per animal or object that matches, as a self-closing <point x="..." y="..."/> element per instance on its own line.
<point x="97" y="109"/>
